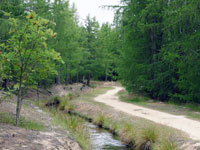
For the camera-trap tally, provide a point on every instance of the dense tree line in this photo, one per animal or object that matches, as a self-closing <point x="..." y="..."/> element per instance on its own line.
<point x="160" y="48"/>
<point x="42" y="43"/>
<point x="152" y="47"/>
<point x="80" y="46"/>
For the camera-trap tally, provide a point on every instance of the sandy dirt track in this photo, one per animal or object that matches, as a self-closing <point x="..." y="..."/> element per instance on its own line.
<point x="191" y="127"/>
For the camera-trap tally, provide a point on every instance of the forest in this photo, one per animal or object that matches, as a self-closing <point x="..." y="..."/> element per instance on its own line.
<point x="152" y="47"/>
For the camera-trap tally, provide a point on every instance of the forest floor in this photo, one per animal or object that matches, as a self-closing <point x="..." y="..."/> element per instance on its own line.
<point x="49" y="137"/>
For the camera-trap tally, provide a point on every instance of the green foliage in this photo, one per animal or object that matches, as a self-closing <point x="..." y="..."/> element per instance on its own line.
<point x="26" y="58"/>
<point x="87" y="50"/>
<point x="160" y="49"/>
<point x="26" y="52"/>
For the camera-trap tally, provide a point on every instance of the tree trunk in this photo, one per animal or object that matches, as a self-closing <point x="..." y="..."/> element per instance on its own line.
<point x="77" y="78"/>
<point x="58" y="81"/>
<point x="88" y="80"/>
<point x="66" y="76"/>
<point x="19" y="100"/>
<point x="153" y="49"/>
<point x="70" y="78"/>
<point x="4" y="85"/>
<point x="70" y="75"/>
<point x="106" y="78"/>
<point x="83" y="78"/>
<point x="38" y="94"/>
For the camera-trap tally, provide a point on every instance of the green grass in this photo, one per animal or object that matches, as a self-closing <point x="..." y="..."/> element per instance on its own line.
<point x="99" y="120"/>
<point x="74" y="124"/>
<point x="149" y="136"/>
<point x="71" y="123"/>
<point x="166" y="144"/>
<point x="139" y="137"/>
<point x="139" y="100"/>
<point x="88" y="97"/>
<point x="93" y="85"/>
<point x="7" y="118"/>
<point x="137" y="133"/>
<point x="190" y="110"/>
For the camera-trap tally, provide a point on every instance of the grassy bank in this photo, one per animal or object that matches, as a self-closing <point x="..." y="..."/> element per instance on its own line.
<point x="8" y="118"/>
<point x="150" y="137"/>
<point x="136" y="132"/>
<point x="74" y="124"/>
<point x="190" y="110"/>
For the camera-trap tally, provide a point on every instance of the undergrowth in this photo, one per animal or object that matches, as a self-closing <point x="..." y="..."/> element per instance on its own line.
<point x="8" y="118"/>
<point x="74" y="124"/>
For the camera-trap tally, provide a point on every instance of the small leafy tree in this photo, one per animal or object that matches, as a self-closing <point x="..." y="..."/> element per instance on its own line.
<point x="27" y="53"/>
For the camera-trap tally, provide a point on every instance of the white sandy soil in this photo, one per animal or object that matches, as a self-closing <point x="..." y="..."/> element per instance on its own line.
<point x="191" y="127"/>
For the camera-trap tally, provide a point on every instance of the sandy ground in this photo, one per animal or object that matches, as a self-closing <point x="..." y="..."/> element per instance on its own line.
<point x="52" y="138"/>
<point x="191" y="127"/>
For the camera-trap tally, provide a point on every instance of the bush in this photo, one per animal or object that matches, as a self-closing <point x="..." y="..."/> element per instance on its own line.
<point x="65" y="104"/>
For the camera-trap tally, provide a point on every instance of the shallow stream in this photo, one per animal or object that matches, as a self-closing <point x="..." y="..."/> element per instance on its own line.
<point x="103" y="140"/>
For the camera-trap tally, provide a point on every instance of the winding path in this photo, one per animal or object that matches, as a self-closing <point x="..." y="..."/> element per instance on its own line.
<point x="191" y="127"/>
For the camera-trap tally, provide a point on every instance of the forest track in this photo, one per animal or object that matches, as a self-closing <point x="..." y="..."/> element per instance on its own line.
<point x="191" y="127"/>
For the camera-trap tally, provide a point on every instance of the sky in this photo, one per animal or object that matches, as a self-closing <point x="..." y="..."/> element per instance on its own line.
<point x="92" y="7"/>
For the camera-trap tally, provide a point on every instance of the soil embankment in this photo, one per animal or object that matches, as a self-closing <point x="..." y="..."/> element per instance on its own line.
<point x="52" y="137"/>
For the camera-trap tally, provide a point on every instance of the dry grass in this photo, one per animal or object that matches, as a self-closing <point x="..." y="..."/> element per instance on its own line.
<point x="71" y="123"/>
<point x="136" y="132"/>
<point x="166" y="144"/>
<point x="7" y="118"/>
<point x="99" y="120"/>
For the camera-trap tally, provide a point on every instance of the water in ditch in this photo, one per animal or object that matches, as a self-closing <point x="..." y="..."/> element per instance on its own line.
<point x="103" y="140"/>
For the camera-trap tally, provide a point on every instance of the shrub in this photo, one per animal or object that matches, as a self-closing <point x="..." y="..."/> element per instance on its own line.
<point x="99" y="120"/>
<point x="148" y="137"/>
<point x="127" y="133"/>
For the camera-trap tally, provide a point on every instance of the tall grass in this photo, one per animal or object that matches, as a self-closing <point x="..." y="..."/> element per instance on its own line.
<point x="135" y="134"/>
<point x="149" y="136"/>
<point x="166" y="144"/>
<point x="64" y="102"/>
<point x="99" y="120"/>
<point x="74" y="124"/>
<point x="71" y="123"/>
